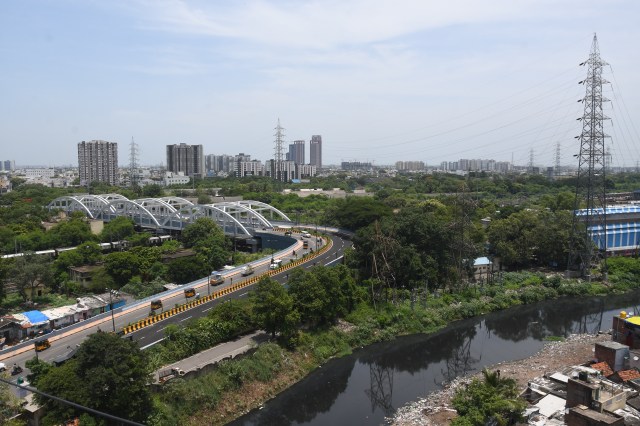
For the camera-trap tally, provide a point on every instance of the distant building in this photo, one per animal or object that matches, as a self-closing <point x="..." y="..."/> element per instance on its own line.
<point x="7" y="166"/>
<point x="409" y="165"/>
<point x="175" y="179"/>
<point x="219" y="163"/>
<point x="315" y="151"/>
<point x="356" y="165"/>
<point x="39" y="173"/>
<point x="248" y="168"/>
<point x="98" y="162"/>
<point x="188" y="159"/>
<point x="296" y="152"/>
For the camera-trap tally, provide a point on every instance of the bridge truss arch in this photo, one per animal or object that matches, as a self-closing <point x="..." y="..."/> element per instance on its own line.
<point x="171" y="213"/>
<point x="260" y="207"/>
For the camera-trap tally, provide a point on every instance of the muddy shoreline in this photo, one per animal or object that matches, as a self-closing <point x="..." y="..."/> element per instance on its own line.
<point x="435" y="409"/>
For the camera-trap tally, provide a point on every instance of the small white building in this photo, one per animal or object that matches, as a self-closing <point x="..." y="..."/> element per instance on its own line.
<point x="171" y="178"/>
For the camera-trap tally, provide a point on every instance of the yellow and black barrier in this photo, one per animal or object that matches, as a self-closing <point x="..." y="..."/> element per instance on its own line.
<point x="223" y="292"/>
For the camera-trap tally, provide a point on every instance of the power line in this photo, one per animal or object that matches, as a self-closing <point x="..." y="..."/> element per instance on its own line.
<point x="72" y="404"/>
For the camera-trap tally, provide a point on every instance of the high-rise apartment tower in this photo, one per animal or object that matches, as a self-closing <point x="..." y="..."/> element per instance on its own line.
<point x="98" y="162"/>
<point x="315" y="151"/>
<point x="296" y="152"/>
<point x="187" y="159"/>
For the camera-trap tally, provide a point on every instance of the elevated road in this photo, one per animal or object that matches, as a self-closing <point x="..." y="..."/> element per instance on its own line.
<point x="65" y="340"/>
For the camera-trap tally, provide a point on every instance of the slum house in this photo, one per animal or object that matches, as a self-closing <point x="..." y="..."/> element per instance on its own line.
<point x="17" y="327"/>
<point x="602" y="392"/>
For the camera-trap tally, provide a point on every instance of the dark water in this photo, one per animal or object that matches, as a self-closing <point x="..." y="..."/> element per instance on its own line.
<point x="366" y="387"/>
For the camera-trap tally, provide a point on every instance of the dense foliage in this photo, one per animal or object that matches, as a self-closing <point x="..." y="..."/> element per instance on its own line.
<point x="108" y="373"/>
<point x="493" y="400"/>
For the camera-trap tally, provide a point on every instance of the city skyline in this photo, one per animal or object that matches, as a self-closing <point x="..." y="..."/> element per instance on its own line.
<point x="420" y="81"/>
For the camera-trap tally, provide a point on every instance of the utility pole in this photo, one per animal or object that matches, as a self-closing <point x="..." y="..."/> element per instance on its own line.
<point x="588" y="246"/>
<point x="111" y="294"/>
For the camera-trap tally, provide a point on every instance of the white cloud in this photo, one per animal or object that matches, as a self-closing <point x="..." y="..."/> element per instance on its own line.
<point x="325" y="24"/>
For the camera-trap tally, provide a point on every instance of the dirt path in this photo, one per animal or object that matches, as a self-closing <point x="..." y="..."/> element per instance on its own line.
<point x="435" y="409"/>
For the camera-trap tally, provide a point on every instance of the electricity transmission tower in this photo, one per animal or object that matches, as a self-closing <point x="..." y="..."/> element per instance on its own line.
<point x="557" y="165"/>
<point x="133" y="164"/>
<point x="588" y="246"/>
<point x="278" y="172"/>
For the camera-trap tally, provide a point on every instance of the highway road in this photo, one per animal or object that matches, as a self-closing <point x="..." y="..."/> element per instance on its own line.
<point x="65" y="340"/>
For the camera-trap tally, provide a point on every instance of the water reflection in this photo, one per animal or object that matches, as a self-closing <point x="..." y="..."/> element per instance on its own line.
<point x="381" y="389"/>
<point x="368" y="386"/>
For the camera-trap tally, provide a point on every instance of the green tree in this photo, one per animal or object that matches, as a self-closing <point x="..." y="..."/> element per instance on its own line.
<point x="491" y="399"/>
<point x="186" y="269"/>
<point x="309" y="295"/>
<point x="356" y="212"/>
<point x="273" y="308"/>
<point x="153" y="190"/>
<point x="29" y="271"/>
<point x="122" y="266"/>
<point x="200" y="232"/>
<point x="70" y="233"/>
<point x="109" y="374"/>
<point x="117" y="229"/>
<point x="208" y="240"/>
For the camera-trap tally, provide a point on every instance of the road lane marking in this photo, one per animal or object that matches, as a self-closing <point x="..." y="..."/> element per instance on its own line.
<point x="151" y="344"/>
<point x="208" y="309"/>
<point x="184" y="319"/>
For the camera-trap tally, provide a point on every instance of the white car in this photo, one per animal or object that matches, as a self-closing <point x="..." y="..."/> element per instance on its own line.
<point x="3" y="366"/>
<point x="275" y="264"/>
<point x="305" y="234"/>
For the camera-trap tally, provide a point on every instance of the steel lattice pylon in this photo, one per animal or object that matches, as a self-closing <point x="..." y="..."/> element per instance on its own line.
<point x="589" y="234"/>
<point x="277" y="152"/>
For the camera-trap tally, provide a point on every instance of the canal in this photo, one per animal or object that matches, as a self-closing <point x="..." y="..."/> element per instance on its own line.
<point x="373" y="382"/>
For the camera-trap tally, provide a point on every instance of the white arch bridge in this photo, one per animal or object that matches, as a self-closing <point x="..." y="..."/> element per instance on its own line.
<point x="238" y="218"/>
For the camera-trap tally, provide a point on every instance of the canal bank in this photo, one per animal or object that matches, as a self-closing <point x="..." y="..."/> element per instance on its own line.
<point x="368" y="386"/>
<point x="436" y="409"/>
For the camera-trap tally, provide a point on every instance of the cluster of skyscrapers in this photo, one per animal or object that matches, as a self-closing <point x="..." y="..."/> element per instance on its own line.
<point x="98" y="161"/>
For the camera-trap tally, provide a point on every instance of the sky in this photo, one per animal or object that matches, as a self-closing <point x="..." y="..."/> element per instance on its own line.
<point x="381" y="81"/>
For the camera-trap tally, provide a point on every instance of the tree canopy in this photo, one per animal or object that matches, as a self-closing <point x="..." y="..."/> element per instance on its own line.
<point x="108" y="373"/>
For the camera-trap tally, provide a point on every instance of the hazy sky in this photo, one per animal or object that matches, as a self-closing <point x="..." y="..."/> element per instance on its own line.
<point x="381" y="81"/>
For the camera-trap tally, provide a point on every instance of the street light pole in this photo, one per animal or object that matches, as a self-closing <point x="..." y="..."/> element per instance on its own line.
<point x="113" y="321"/>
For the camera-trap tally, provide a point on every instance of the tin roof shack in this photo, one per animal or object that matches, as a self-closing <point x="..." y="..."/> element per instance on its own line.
<point x="10" y="330"/>
<point x="91" y="306"/>
<point x="598" y="394"/>
<point x="33" y="322"/>
<point x="61" y="317"/>
<point x="613" y="353"/>
<point x="583" y="416"/>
